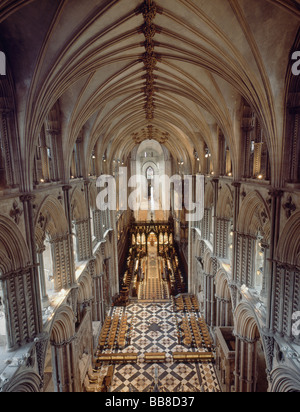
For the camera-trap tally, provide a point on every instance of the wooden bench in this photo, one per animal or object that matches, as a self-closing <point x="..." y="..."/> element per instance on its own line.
<point x="155" y="357"/>
<point x="193" y="357"/>
<point x="118" y="358"/>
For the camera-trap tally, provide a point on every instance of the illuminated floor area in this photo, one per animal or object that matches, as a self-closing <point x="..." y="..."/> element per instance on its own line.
<point x="153" y="287"/>
<point x="154" y="330"/>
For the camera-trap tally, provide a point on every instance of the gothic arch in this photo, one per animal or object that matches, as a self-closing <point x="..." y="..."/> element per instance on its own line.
<point x="50" y="218"/>
<point x="224" y="316"/>
<point x="62" y="339"/>
<point x="225" y="203"/>
<point x="85" y="292"/>
<point x="63" y="326"/>
<point x="13" y="249"/>
<point x="207" y="262"/>
<point x="287" y="251"/>
<point x="78" y="205"/>
<point x="222" y="285"/>
<point x="251" y="358"/>
<point x="285" y="380"/>
<point x="25" y="382"/>
<point x="246" y="324"/>
<point x="254" y="216"/>
<point x="99" y="264"/>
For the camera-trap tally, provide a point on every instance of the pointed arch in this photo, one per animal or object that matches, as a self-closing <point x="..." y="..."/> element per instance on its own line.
<point x="78" y="205"/>
<point x="246" y="323"/>
<point x="14" y="253"/>
<point x="254" y="216"/>
<point x="207" y="262"/>
<point x="225" y="203"/>
<point x="287" y="251"/>
<point x="50" y="219"/>
<point x="222" y="285"/>
<point x="85" y="292"/>
<point x="285" y="380"/>
<point x="25" y="382"/>
<point x="63" y="326"/>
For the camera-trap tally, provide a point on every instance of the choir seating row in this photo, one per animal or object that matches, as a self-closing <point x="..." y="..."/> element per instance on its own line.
<point x="114" y="333"/>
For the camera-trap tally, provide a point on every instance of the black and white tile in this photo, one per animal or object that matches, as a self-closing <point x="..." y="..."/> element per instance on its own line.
<point x="154" y="330"/>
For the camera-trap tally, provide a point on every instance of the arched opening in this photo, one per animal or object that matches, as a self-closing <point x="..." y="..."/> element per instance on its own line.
<point x="285" y="380"/>
<point x="287" y="278"/>
<point x="224" y="316"/>
<point x="16" y="274"/>
<point x="253" y="240"/>
<point x="81" y="227"/>
<point x="65" y="373"/>
<point x="224" y="222"/>
<point x="54" y="256"/>
<point x="250" y="360"/>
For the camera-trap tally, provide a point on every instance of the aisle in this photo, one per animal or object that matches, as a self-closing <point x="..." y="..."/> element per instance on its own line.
<point x="153" y="287"/>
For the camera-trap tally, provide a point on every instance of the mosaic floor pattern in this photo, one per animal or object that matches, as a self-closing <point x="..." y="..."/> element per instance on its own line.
<point x="154" y="330"/>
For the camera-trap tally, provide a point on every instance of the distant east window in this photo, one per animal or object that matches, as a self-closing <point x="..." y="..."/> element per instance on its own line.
<point x="150" y="173"/>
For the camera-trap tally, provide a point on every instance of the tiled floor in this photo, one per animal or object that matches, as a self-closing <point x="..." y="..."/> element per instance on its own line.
<point x="154" y="330"/>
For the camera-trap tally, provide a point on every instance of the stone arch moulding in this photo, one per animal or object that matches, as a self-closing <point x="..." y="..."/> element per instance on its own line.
<point x="63" y="326"/>
<point x="25" y="382"/>
<point x="13" y="249"/>
<point x="254" y="216"/>
<point x="85" y="292"/>
<point x="225" y="203"/>
<point x="250" y="357"/>
<point x="285" y="380"/>
<point x="287" y="251"/>
<point x="51" y="218"/>
<point x="63" y="343"/>
<point x="78" y="205"/>
<point x="246" y="323"/>
<point x="222" y="285"/>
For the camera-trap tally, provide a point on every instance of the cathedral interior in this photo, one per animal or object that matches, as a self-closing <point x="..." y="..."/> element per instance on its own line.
<point x="126" y="299"/>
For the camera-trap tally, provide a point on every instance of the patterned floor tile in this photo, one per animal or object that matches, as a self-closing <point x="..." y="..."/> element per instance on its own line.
<point x="154" y="330"/>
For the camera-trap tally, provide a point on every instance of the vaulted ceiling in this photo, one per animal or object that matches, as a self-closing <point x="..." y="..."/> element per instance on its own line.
<point x="180" y="67"/>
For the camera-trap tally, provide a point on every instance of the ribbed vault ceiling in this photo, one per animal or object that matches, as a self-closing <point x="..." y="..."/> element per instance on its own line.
<point x="89" y="55"/>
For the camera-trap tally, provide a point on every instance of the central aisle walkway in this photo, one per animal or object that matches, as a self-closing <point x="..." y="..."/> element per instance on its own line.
<point x="153" y="286"/>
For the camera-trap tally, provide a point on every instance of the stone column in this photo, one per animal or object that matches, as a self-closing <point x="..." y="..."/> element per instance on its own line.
<point x="216" y="195"/>
<point x="87" y="200"/>
<point x="6" y="148"/>
<point x="276" y="198"/>
<point x="236" y="208"/>
<point x="63" y="263"/>
<point x="209" y="299"/>
<point x="45" y="297"/>
<point x="65" y="370"/>
<point x="67" y="204"/>
<point x="35" y="295"/>
<point x="245" y="365"/>
<point x="44" y="157"/>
